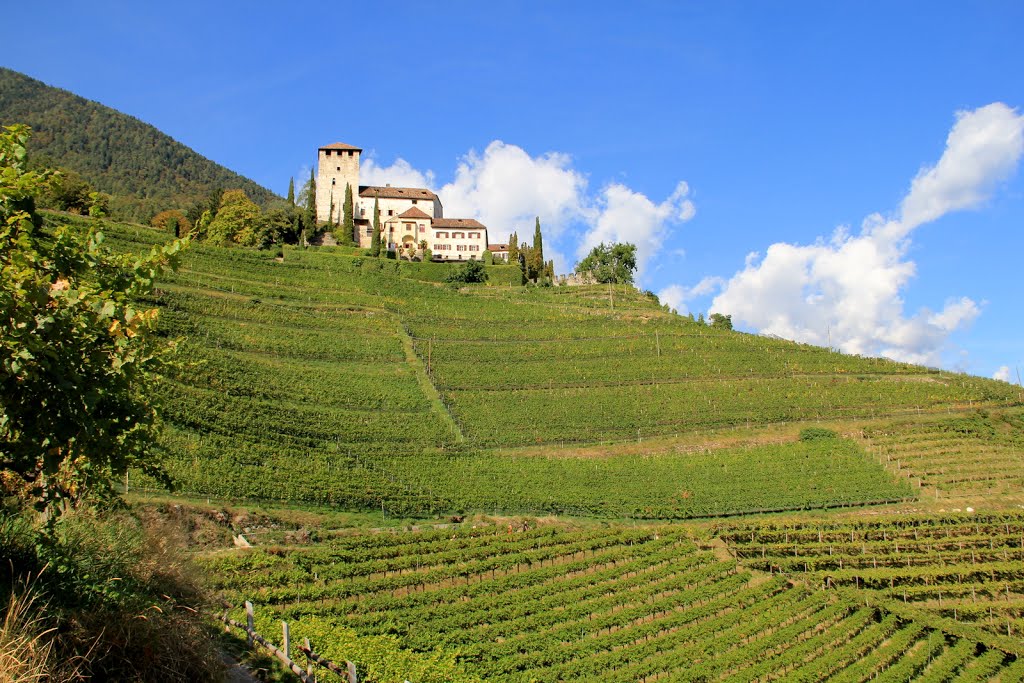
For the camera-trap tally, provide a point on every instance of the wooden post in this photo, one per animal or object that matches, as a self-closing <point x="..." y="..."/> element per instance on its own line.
<point x="352" y="678"/>
<point x="286" y="639"/>
<point x="248" y="623"/>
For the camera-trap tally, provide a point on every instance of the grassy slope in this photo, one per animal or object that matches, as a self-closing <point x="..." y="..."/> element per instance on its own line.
<point x="303" y="389"/>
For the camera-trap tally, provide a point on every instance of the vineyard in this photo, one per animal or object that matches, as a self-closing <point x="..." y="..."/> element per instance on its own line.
<point x="611" y="604"/>
<point x="329" y="378"/>
<point x="967" y="569"/>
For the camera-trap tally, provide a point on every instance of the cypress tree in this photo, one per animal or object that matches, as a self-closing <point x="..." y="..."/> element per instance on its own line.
<point x="311" y="203"/>
<point x="349" y="226"/>
<point x="536" y="264"/>
<point x="375" y="239"/>
<point x="513" y="249"/>
<point x="291" y="191"/>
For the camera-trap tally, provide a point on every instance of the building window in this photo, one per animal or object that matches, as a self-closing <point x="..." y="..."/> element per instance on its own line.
<point x="391" y="212"/>
<point x="339" y="168"/>
<point x="414" y="201"/>
<point x="422" y="229"/>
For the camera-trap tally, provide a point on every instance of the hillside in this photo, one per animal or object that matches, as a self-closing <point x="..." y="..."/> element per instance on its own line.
<point x="745" y="508"/>
<point x="116" y="153"/>
<point x="331" y="378"/>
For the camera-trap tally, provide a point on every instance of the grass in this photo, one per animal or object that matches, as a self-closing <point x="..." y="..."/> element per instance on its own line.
<point x="105" y="597"/>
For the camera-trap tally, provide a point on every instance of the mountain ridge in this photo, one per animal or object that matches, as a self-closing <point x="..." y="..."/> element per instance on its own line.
<point x="145" y="169"/>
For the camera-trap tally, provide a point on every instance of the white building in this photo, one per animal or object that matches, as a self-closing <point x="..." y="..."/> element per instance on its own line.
<point x="408" y="215"/>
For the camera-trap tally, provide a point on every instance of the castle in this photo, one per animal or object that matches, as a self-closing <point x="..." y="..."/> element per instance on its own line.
<point x="409" y="216"/>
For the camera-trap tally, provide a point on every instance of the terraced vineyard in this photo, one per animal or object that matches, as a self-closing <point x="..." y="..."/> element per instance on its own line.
<point x="965" y="568"/>
<point x="610" y="604"/>
<point x="334" y="379"/>
<point x="961" y="458"/>
<point x="364" y="384"/>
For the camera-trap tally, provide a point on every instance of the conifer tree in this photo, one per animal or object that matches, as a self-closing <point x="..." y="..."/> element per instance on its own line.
<point x="375" y="239"/>
<point x="291" y="191"/>
<point x="311" y="203"/>
<point x="536" y="264"/>
<point x="513" y="249"/>
<point x="348" y="209"/>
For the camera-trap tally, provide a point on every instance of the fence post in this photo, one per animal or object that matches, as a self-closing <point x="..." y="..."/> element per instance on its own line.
<point x="309" y="660"/>
<point x="286" y="639"/>
<point x="249" y="623"/>
<point x="352" y="673"/>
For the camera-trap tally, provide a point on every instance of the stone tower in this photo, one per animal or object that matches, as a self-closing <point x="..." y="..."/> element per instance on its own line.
<point x="337" y="165"/>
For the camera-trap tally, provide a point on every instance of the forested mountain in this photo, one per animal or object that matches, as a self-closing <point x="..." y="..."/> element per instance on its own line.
<point x="144" y="169"/>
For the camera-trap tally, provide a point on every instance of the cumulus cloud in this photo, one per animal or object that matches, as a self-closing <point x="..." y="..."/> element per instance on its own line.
<point x="846" y="290"/>
<point x="506" y="189"/>
<point x="677" y="296"/>
<point x="624" y="215"/>
<point x="399" y="174"/>
<point x="1003" y="373"/>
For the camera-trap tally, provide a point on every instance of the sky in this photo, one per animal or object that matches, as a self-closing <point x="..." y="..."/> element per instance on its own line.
<point x="841" y="173"/>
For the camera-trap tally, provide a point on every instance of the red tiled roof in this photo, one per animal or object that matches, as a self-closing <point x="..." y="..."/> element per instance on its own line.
<point x="413" y="212"/>
<point x="396" y="192"/>
<point x="341" y="145"/>
<point x="497" y="247"/>
<point x="459" y="223"/>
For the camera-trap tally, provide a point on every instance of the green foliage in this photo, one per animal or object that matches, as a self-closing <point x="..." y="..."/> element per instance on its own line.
<point x="143" y="169"/>
<point x="488" y="258"/>
<point x="66" y="191"/>
<point x="308" y="199"/>
<point x="77" y="353"/>
<point x="291" y="192"/>
<point x="469" y="272"/>
<point x="721" y="322"/>
<point x="348" y="225"/>
<point x="817" y="434"/>
<point x="610" y="263"/>
<point x="240" y="221"/>
<point x="375" y="245"/>
<point x="535" y="263"/>
<point x="513" y="249"/>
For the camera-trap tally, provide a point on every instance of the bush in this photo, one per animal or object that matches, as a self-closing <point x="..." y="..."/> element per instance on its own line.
<point x="817" y="434"/>
<point x="468" y="272"/>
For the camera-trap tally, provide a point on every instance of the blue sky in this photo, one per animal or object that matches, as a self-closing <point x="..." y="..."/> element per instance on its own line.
<point x="704" y="132"/>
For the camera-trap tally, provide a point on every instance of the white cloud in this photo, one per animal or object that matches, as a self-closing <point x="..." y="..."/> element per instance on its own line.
<point x="399" y="174"/>
<point x="1003" y="373"/>
<point x="624" y="215"/>
<point x="847" y="291"/>
<point x="506" y="189"/>
<point x="677" y="296"/>
<point x="982" y="149"/>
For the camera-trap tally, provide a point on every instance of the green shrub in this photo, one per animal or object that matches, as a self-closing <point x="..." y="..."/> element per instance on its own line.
<point x="817" y="434"/>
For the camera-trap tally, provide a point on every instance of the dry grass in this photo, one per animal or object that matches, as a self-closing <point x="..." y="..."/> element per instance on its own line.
<point x="28" y="641"/>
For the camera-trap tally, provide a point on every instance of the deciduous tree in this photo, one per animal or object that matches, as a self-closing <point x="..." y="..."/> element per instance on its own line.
<point x="614" y="263"/>
<point x="78" y="355"/>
